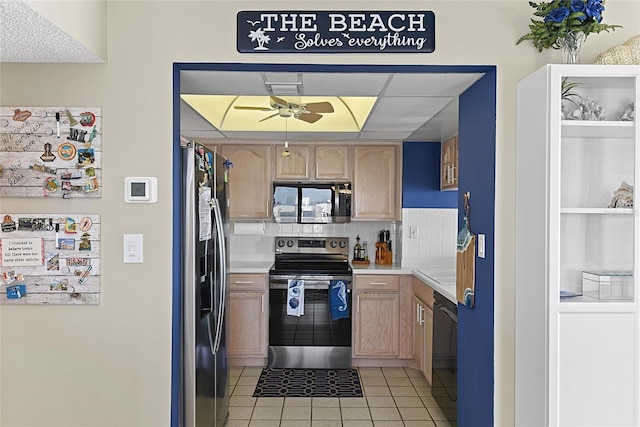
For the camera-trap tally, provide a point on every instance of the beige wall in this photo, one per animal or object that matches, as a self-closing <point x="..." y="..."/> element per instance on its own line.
<point x="110" y="364"/>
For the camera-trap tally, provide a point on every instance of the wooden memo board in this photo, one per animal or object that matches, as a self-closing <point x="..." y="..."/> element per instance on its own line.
<point x="50" y="152"/>
<point x="49" y="259"/>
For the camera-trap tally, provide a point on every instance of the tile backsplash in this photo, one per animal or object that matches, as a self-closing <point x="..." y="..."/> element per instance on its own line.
<point x="435" y="228"/>
<point x="260" y="247"/>
<point x="428" y="235"/>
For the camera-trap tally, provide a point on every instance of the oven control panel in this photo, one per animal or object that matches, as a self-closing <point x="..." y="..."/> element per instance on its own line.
<point x="318" y="245"/>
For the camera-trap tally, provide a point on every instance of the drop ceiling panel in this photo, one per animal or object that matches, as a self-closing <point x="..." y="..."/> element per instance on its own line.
<point x="403" y="113"/>
<point x="222" y="83"/>
<point x="434" y="84"/>
<point x="344" y="84"/>
<point x="191" y="121"/>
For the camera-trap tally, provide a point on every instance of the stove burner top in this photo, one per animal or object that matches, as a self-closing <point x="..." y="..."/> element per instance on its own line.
<point x="310" y="267"/>
<point x="318" y="256"/>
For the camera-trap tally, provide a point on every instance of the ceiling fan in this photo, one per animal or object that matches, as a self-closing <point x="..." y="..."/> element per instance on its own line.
<point x="309" y="113"/>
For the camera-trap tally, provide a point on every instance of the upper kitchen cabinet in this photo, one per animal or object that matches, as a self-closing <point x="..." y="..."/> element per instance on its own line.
<point x="449" y="164"/>
<point x="295" y="165"/>
<point x="332" y="162"/>
<point x="249" y="180"/>
<point x="376" y="182"/>
<point x="577" y="319"/>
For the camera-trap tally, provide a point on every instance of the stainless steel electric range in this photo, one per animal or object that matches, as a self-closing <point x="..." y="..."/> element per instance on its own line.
<point x="305" y="329"/>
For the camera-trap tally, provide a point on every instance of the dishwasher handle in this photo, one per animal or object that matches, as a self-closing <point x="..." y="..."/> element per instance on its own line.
<point x="442" y="306"/>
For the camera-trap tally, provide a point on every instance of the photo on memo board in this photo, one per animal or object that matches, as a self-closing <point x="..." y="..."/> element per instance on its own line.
<point x="51" y="152"/>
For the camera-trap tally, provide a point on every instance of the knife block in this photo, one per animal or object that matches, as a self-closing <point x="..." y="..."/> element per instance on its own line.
<point x="383" y="255"/>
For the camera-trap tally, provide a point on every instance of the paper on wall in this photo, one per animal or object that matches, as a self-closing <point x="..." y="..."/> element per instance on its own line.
<point x="204" y="213"/>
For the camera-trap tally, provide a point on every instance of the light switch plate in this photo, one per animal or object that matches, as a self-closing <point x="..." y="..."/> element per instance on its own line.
<point x="481" y="245"/>
<point x="132" y="248"/>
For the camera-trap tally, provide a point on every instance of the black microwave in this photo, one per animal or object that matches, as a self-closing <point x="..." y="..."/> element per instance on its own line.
<point x="312" y="203"/>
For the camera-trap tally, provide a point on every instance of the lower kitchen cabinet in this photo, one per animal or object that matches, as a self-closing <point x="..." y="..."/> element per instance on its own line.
<point x="248" y="319"/>
<point x="376" y="328"/>
<point x="423" y="329"/>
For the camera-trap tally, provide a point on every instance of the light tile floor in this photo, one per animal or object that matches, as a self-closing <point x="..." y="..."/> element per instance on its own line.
<point x="393" y="397"/>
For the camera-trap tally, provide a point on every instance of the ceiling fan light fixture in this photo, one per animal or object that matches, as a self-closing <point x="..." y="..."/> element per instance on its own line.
<point x="286" y="153"/>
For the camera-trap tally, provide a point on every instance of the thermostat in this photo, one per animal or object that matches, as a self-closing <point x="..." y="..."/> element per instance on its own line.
<point x="141" y="189"/>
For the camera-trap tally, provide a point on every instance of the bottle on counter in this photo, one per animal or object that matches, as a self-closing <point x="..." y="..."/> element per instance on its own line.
<point x="357" y="250"/>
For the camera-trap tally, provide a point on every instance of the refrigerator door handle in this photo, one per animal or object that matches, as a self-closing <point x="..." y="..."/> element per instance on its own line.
<point x="222" y="256"/>
<point x="209" y="330"/>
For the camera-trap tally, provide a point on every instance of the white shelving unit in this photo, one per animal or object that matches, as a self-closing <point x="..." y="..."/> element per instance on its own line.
<point x="578" y="357"/>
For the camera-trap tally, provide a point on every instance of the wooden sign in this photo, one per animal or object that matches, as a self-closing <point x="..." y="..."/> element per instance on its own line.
<point x="50" y="152"/>
<point x="50" y="259"/>
<point x="309" y="31"/>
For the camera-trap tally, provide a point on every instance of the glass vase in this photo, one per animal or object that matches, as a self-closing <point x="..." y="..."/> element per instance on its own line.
<point x="570" y="45"/>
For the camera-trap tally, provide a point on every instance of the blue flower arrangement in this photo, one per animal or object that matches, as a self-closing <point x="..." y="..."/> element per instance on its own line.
<point x="562" y="17"/>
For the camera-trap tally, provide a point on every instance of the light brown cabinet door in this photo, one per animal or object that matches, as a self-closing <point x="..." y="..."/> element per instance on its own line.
<point x="332" y="162"/>
<point x="418" y="332"/>
<point x="296" y="166"/>
<point x="423" y="337"/>
<point x="427" y="359"/>
<point x="423" y="334"/>
<point x="376" y="326"/>
<point x="249" y="180"/>
<point x="247" y="326"/>
<point x="375" y="183"/>
<point x="449" y="164"/>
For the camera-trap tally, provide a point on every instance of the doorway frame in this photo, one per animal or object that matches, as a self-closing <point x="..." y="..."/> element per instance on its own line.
<point x="476" y="368"/>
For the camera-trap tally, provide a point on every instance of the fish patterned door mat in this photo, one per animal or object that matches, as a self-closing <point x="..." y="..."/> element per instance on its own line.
<point x="308" y="383"/>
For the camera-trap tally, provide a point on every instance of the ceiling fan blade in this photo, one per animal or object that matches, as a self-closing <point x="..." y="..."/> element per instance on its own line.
<point x="319" y="107"/>
<point x="268" y="117"/>
<point x="242" y="107"/>
<point x="309" y="117"/>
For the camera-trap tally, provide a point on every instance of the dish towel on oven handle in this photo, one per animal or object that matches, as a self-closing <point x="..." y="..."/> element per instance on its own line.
<point x="295" y="297"/>
<point x="338" y="302"/>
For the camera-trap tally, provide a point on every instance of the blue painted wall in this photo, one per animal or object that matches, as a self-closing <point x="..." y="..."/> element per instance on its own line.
<point x="477" y="135"/>
<point x="421" y="177"/>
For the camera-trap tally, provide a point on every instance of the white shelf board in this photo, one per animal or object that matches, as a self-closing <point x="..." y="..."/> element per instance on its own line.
<point x="594" y="128"/>
<point x="598" y="211"/>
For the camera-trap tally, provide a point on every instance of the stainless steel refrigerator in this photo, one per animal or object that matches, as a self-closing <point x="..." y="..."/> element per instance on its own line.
<point x="204" y="385"/>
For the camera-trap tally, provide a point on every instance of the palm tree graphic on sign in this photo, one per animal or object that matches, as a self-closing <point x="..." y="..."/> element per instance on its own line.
<point x="262" y="39"/>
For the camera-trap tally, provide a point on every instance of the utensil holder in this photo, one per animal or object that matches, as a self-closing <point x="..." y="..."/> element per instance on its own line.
<point x="383" y="255"/>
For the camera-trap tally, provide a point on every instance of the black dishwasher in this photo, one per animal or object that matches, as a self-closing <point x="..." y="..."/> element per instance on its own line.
<point x="445" y="354"/>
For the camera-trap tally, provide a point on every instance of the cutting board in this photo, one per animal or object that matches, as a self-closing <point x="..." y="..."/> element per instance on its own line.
<point x="465" y="274"/>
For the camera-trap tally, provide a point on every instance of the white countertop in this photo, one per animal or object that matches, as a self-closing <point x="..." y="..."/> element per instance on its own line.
<point x="440" y="276"/>
<point x="374" y="268"/>
<point x="440" y="279"/>
<point x="249" y="267"/>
